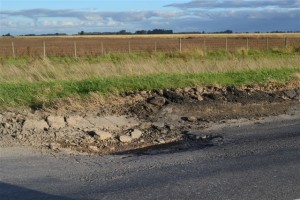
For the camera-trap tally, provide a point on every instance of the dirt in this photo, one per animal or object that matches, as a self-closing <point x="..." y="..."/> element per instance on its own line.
<point x="140" y="120"/>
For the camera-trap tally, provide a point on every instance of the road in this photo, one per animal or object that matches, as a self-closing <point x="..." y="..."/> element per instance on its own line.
<point x="257" y="160"/>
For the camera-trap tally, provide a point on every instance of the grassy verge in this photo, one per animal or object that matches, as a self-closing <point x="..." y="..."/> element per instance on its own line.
<point x="36" y="94"/>
<point x="37" y="81"/>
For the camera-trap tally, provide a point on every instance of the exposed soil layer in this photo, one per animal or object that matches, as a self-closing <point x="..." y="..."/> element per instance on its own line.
<point x="143" y="119"/>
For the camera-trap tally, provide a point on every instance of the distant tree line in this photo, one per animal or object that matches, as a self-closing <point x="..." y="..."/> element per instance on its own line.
<point x="47" y="34"/>
<point x="124" y="32"/>
<point x="8" y="34"/>
<point x="155" y="31"/>
<point x="149" y="32"/>
<point x="203" y="32"/>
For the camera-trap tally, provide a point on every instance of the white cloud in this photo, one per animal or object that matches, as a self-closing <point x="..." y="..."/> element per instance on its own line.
<point x="208" y="15"/>
<point x="52" y="23"/>
<point x="16" y="23"/>
<point x="235" y="4"/>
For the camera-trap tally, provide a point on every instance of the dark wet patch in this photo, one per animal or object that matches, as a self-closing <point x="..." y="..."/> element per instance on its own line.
<point x="188" y="142"/>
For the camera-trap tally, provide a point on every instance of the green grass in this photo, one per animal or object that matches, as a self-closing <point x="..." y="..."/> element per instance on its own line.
<point x="42" y="93"/>
<point x="36" y="82"/>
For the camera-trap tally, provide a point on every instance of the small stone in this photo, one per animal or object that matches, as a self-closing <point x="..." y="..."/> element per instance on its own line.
<point x="186" y="90"/>
<point x="112" y="148"/>
<point x="158" y="125"/>
<point x="173" y="96"/>
<point x="5" y="132"/>
<point x="290" y="93"/>
<point x="158" y="101"/>
<point x="171" y="127"/>
<point x="195" y="135"/>
<point x="54" y="146"/>
<point x="89" y="140"/>
<point x="200" y="98"/>
<point x="78" y="122"/>
<point x="111" y="122"/>
<point x="285" y="98"/>
<point x="217" y="140"/>
<point x="145" y="125"/>
<point x="199" y="89"/>
<point x="19" y="137"/>
<point x="73" y="120"/>
<point x="297" y="97"/>
<point x="6" y="125"/>
<point x="136" y="134"/>
<point x="160" y="141"/>
<point x="198" y="137"/>
<point x="103" y="135"/>
<point x="93" y="148"/>
<point x="191" y="136"/>
<point x="167" y="110"/>
<point x="143" y="93"/>
<point x="191" y="119"/>
<point x="178" y="91"/>
<point x="205" y="137"/>
<point x="38" y="125"/>
<point x="158" y="91"/>
<point x="56" y="122"/>
<point x="125" y="138"/>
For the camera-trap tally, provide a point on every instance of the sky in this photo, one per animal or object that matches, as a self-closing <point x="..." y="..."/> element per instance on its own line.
<point x="72" y="16"/>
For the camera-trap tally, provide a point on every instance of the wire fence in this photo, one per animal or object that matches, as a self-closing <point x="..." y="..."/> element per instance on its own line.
<point x="85" y="46"/>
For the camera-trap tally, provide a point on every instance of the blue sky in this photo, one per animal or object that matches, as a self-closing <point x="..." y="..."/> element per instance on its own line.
<point x="71" y="16"/>
<point x="102" y="5"/>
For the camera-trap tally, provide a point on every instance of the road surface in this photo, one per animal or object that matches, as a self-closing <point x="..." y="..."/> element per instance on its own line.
<point x="257" y="160"/>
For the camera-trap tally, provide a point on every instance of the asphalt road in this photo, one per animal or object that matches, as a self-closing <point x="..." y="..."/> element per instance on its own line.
<point x="259" y="160"/>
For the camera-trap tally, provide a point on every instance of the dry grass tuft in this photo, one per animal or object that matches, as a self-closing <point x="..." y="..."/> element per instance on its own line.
<point x="242" y="51"/>
<point x="297" y="76"/>
<point x="91" y="102"/>
<point x="46" y="70"/>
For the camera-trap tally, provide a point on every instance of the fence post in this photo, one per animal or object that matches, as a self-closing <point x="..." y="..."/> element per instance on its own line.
<point x="155" y="46"/>
<point x="75" y="50"/>
<point x="267" y="43"/>
<point x="247" y="43"/>
<point x="44" y="44"/>
<point x="226" y="44"/>
<point x="13" y="49"/>
<point x="180" y="45"/>
<point x="286" y="42"/>
<point x="102" y="48"/>
<point x="129" y="47"/>
<point x="204" y="44"/>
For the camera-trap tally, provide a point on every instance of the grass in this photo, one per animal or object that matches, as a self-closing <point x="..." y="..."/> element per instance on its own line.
<point x="51" y="69"/>
<point x="45" y="93"/>
<point x="39" y="82"/>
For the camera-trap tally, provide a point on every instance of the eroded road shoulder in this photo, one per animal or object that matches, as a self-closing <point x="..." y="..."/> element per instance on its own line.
<point x="157" y="118"/>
